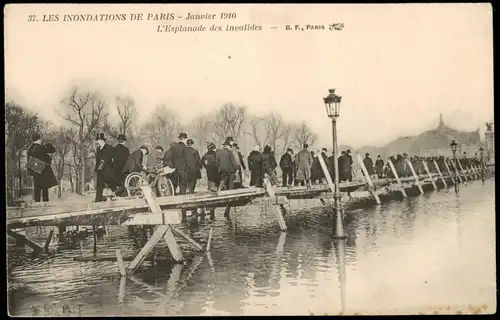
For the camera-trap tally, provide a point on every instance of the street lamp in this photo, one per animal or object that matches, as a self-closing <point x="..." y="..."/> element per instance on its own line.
<point x="481" y="163"/>
<point x="332" y="106"/>
<point x="453" y="145"/>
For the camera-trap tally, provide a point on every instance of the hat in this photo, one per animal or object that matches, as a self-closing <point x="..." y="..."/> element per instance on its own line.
<point x="379" y="156"/>
<point x="267" y="148"/>
<point x="306" y="145"/>
<point x="159" y="147"/>
<point x="348" y="151"/>
<point x="235" y="144"/>
<point x="289" y="150"/>
<point x="190" y="141"/>
<point x="145" y="148"/>
<point x="183" y="136"/>
<point x="49" y="148"/>
<point x="367" y="154"/>
<point x="121" y="137"/>
<point x="405" y="155"/>
<point x="343" y="152"/>
<point x="324" y="149"/>
<point x="210" y="145"/>
<point x="100" y="136"/>
<point x="226" y="143"/>
<point x="230" y="139"/>
<point x="36" y="136"/>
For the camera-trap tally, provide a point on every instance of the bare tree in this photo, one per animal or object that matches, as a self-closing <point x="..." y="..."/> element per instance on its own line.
<point x="257" y="131"/>
<point x="275" y="126"/>
<point x="202" y="130"/>
<point x="229" y="121"/>
<point x="85" y="111"/>
<point x="19" y="127"/>
<point x="162" y="127"/>
<point x="62" y="140"/>
<point x="303" y="134"/>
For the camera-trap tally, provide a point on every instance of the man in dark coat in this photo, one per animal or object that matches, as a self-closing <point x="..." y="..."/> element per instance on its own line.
<point x="255" y="167"/>
<point x="349" y="163"/>
<point x="286" y="165"/>
<point x="379" y="167"/>
<point x="343" y="167"/>
<point x="167" y="161"/>
<point x="269" y="164"/>
<point x="196" y="174"/>
<point x="315" y="167"/>
<point x="120" y="156"/>
<point x="183" y="161"/>
<point x="210" y="165"/>
<point x="368" y="163"/>
<point x="226" y="163"/>
<point x="103" y="167"/>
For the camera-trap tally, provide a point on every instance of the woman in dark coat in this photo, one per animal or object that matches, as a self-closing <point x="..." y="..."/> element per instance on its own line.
<point x="255" y="167"/>
<point x="269" y="164"/>
<point x="209" y="163"/>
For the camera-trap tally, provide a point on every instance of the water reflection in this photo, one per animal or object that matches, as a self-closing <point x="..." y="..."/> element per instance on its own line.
<point x="401" y="255"/>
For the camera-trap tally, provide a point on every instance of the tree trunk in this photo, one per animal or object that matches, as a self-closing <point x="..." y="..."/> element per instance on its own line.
<point x="82" y="170"/>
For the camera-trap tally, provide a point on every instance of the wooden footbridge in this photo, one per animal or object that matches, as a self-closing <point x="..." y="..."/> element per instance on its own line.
<point x="167" y="212"/>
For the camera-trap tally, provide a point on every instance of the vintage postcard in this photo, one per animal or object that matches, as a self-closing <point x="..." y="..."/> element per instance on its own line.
<point x="249" y="159"/>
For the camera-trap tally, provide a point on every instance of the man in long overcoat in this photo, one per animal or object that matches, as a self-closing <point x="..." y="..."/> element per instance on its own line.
<point x="286" y="166"/>
<point x="227" y="165"/>
<point x="255" y="167"/>
<point x="120" y="156"/>
<point x="103" y="167"/>
<point x="368" y="162"/>
<point x="379" y="167"/>
<point x="304" y="163"/>
<point x="183" y="161"/>
<point x="197" y="165"/>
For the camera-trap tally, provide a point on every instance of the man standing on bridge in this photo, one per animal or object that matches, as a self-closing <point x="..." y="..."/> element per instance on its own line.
<point x="120" y="156"/>
<point x="103" y="167"/>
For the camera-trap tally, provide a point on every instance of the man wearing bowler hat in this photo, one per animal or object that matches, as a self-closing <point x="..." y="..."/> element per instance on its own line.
<point x="103" y="167"/>
<point x="120" y="156"/>
<point x="184" y="162"/>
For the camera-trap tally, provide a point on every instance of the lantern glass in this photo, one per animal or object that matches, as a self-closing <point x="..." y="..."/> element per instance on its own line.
<point x="332" y="104"/>
<point x="453" y="145"/>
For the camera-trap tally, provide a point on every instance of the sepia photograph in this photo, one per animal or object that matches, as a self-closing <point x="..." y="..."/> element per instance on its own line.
<point x="249" y="159"/>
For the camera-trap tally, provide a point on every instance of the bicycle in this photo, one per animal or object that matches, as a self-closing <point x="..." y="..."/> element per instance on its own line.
<point x="156" y="178"/>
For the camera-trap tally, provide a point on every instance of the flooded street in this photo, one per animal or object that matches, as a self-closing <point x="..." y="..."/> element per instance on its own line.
<point x="430" y="253"/>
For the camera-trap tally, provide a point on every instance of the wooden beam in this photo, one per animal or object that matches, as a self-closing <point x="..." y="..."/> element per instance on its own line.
<point x="141" y="256"/>
<point x="271" y="194"/>
<point x="47" y="242"/>
<point x="417" y="181"/>
<point x="401" y="188"/>
<point x="331" y="185"/>
<point x="167" y="235"/>
<point x="187" y="238"/>
<point x="452" y="176"/>
<point x="463" y="171"/>
<point x="368" y="179"/>
<point x="25" y="240"/>
<point x="424" y="162"/>
<point x="167" y="216"/>
<point x="121" y="265"/>
<point x="209" y="239"/>
<point x="457" y="173"/>
<point x="440" y="174"/>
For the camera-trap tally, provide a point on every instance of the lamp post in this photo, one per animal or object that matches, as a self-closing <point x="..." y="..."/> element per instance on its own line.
<point x="453" y="145"/>
<point x="332" y="105"/>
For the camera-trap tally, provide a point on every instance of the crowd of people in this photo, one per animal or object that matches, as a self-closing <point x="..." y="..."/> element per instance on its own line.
<point x="225" y="166"/>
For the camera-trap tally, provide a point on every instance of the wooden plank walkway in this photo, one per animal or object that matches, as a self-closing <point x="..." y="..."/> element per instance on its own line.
<point x="124" y="210"/>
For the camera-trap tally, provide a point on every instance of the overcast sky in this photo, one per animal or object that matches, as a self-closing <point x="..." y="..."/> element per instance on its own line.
<point x="396" y="66"/>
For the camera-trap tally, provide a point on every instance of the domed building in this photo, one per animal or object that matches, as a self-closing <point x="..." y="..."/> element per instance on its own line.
<point x="437" y="141"/>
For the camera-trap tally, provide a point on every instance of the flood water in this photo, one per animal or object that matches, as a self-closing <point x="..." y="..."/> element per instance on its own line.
<point x="433" y="253"/>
